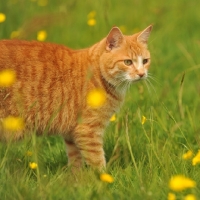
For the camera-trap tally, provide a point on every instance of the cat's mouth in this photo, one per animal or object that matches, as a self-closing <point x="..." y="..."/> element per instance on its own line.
<point x="139" y="77"/>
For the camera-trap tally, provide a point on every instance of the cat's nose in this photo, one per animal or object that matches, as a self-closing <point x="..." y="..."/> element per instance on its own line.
<point x="141" y="74"/>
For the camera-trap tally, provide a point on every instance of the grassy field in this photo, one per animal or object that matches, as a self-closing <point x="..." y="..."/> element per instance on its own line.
<point x="141" y="157"/>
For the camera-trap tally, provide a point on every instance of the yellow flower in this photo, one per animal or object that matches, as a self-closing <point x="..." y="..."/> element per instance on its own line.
<point x="106" y="178"/>
<point x="91" y="14"/>
<point x="7" y="78"/>
<point x="41" y="35"/>
<point x="196" y="159"/>
<point x="42" y="2"/>
<point x="113" y="118"/>
<point x="2" y="17"/>
<point x="190" y="197"/>
<point x="33" y="165"/>
<point x="180" y="182"/>
<point x="91" y="22"/>
<point x="187" y="155"/>
<point x="171" y="196"/>
<point x="143" y="120"/>
<point x="96" y="98"/>
<point x="15" y="34"/>
<point x="123" y="29"/>
<point x="11" y="123"/>
<point x="29" y="153"/>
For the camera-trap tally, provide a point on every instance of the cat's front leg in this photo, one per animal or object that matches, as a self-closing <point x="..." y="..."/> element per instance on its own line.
<point x="89" y="141"/>
<point x="74" y="155"/>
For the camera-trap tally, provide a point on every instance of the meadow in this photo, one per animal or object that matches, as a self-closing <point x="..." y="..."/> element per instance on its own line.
<point x="158" y="123"/>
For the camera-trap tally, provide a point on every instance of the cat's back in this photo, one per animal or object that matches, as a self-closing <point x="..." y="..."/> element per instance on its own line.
<point x="37" y="63"/>
<point x="19" y="52"/>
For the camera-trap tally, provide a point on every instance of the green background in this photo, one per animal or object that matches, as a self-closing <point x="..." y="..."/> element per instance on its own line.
<point x="141" y="158"/>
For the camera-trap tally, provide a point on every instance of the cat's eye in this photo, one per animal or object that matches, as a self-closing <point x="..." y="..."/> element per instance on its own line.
<point x="145" y="61"/>
<point x="128" y="62"/>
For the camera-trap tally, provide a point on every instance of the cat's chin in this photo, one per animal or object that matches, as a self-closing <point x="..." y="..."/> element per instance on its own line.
<point x="135" y="80"/>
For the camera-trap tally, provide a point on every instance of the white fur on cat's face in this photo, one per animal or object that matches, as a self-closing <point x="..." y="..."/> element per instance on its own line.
<point x="139" y="68"/>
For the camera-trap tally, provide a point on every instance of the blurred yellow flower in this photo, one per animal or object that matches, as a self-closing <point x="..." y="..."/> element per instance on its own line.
<point x="91" y="14"/>
<point x="42" y="2"/>
<point x="33" y="165"/>
<point x="91" y="22"/>
<point x="113" y="118"/>
<point x="196" y="159"/>
<point x="179" y="182"/>
<point x="190" y="197"/>
<point x="15" y="34"/>
<point x="187" y="155"/>
<point x="106" y="178"/>
<point x="41" y="35"/>
<point x="7" y="78"/>
<point x="171" y="196"/>
<point x="123" y="29"/>
<point x="2" y="17"/>
<point x="29" y="153"/>
<point x="11" y="123"/>
<point x="96" y="98"/>
<point x="143" y="120"/>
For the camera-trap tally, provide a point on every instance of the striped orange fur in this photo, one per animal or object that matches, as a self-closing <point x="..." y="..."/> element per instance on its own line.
<point x="52" y="83"/>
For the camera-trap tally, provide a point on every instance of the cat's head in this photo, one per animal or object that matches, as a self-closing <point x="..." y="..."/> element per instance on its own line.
<point x="125" y="58"/>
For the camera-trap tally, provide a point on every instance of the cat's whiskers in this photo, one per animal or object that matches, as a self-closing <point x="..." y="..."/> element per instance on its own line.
<point x="153" y="78"/>
<point x="118" y="83"/>
<point x="125" y="85"/>
<point x="150" y="87"/>
<point x="122" y="83"/>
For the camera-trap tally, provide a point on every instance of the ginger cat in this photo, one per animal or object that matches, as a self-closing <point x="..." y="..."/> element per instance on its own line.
<point x="53" y="81"/>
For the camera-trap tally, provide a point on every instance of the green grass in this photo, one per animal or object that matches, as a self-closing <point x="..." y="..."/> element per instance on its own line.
<point x="141" y="158"/>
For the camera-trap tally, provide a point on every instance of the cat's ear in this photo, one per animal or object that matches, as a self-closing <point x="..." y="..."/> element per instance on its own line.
<point x="114" y="38"/>
<point x="144" y="35"/>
